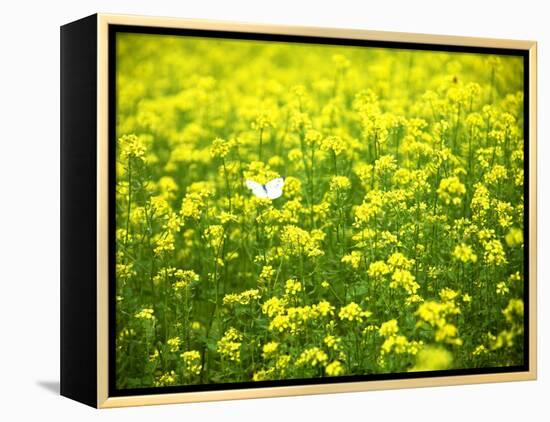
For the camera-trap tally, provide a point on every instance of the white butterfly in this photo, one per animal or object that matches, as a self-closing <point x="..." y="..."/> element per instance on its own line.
<point x="272" y="189"/>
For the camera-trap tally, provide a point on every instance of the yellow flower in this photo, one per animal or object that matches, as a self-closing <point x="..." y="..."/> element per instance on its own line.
<point x="514" y="311"/>
<point x="448" y="333"/>
<point x="389" y="328"/>
<point x="167" y="186"/>
<point x="273" y="306"/>
<point x="353" y="259"/>
<point x="404" y="279"/>
<point x="132" y="147"/>
<point x="146" y="314"/>
<point x="164" y="244"/>
<point x="184" y="278"/>
<point x="229" y="346"/>
<point x="334" y="144"/>
<point x="504" y="212"/>
<point x="264" y="120"/>
<point x="226" y="217"/>
<point x="221" y="147"/>
<point x="464" y="253"/>
<point x="323" y="308"/>
<point x="243" y="298"/>
<point x="481" y="203"/>
<point x="515" y="277"/>
<point x="364" y="172"/>
<point x="269" y="349"/>
<point x="437" y="315"/>
<point x="299" y="121"/>
<point x="412" y="299"/>
<point x="262" y="374"/>
<point x="173" y="222"/>
<point x="353" y="312"/>
<point x="312" y="357"/>
<point x="398" y="260"/>
<point x="192" y="362"/>
<point x="399" y="344"/>
<point x="174" y="344"/>
<point x="385" y="164"/>
<point x="494" y="253"/>
<point x="432" y="358"/>
<point x="282" y="362"/>
<point x="313" y="137"/>
<point x="295" y="155"/>
<point x="341" y="62"/>
<point x="502" y="288"/>
<point x="154" y="356"/>
<point x="292" y="287"/>
<point x="514" y="237"/>
<point x="281" y="323"/>
<point x="192" y="205"/>
<point x="451" y="190"/>
<point x="480" y="350"/>
<point x="167" y="378"/>
<point x="334" y="369"/>
<point x="378" y="269"/>
<point x="266" y="274"/>
<point x="448" y="295"/>
<point x="260" y="172"/>
<point x="339" y="183"/>
<point x="332" y="342"/>
<point x="298" y="242"/>
<point x="214" y="235"/>
<point x="497" y="174"/>
<point x="293" y="187"/>
<point x="365" y="212"/>
<point x="124" y="271"/>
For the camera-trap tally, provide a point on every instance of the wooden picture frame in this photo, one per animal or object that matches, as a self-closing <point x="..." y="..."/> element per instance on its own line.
<point x="91" y="143"/>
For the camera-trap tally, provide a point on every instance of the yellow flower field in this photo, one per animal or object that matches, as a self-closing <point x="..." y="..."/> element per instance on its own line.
<point x="396" y="245"/>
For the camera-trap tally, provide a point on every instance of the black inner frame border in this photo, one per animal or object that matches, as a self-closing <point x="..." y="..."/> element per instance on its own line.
<point x="113" y="391"/>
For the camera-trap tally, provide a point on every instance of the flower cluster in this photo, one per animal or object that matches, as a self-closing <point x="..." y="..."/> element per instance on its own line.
<point x="243" y="298"/>
<point x="393" y="242"/>
<point x="229" y="346"/>
<point x="192" y="362"/>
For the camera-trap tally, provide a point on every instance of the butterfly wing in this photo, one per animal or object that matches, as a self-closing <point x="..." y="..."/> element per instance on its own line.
<point x="274" y="188"/>
<point x="256" y="188"/>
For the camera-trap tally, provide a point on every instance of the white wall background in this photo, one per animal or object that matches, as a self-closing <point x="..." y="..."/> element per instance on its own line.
<point x="29" y="208"/>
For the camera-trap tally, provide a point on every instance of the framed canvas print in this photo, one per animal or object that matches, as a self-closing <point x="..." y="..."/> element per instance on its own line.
<point x="254" y="211"/>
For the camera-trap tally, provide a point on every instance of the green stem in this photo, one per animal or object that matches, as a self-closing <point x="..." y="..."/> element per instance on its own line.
<point x="260" y="146"/>
<point x="311" y="185"/>
<point x="227" y="187"/>
<point x="128" y="208"/>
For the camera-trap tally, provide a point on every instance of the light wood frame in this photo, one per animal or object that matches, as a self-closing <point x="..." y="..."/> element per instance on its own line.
<point x="103" y="399"/>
